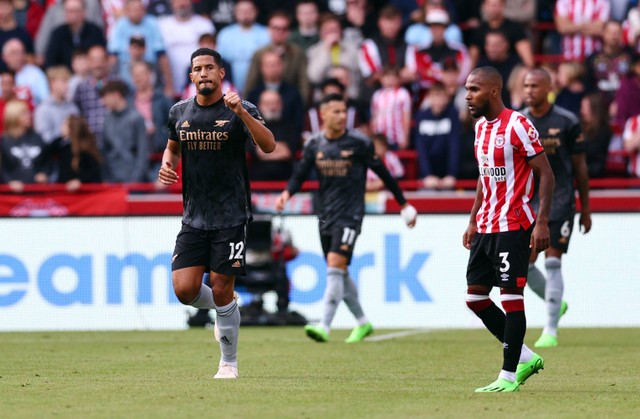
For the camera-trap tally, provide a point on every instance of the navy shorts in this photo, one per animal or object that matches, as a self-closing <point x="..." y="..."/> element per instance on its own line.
<point x="221" y="251"/>
<point x="500" y="259"/>
<point x="340" y="240"/>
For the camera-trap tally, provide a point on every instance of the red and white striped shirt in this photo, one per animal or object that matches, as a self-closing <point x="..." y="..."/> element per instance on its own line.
<point x="578" y="47"/>
<point x="631" y="128"/>
<point x="389" y="109"/>
<point x="502" y="148"/>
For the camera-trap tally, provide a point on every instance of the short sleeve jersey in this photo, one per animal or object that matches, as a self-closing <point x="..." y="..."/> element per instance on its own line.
<point x="215" y="184"/>
<point x="503" y="147"/>
<point x="561" y="136"/>
<point x="342" y="165"/>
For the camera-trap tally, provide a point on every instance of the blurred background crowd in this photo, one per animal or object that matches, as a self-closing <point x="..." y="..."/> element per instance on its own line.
<point x="86" y="85"/>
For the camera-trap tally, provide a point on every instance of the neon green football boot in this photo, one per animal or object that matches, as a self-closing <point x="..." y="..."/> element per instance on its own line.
<point x="546" y="341"/>
<point x="564" y="306"/>
<point x="316" y="333"/>
<point x="527" y="369"/>
<point x="499" y="386"/>
<point x="359" y="333"/>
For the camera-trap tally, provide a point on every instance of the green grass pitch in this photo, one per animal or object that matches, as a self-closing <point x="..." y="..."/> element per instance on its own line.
<point x="594" y="373"/>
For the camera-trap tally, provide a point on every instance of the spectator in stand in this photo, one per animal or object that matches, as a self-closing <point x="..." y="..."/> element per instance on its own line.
<point x="29" y="14"/>
<point x="419" y="33"/>
<point x="522" y="12"/>
<point x="9" y="28"/>
<point x="631" y="28"/>
<point x="55" y="16"/>
<point x="391" y="162"/>
<point x="125" y="143"/>
<point x="391" y="110"/>
<point x="80" y="160"/>
<point x="470" y="18"/>
<point x="597" y="133"/>
<point x="580" y="22"/>
<point x="75" y="33"/>
<point x="333" y="50"/>
<point x="427" y="62"/>
<point x="293" y="58"/>
<point x="238" y="42"/>
<point x="627" y="102"/>
<point x="437" y="140"/>
<point x="515" y="86"/>
<point x="359" y="21"/>
<point x="631" y="141"/>
<point x="386" y="47"/>
<point x="496" y="47"/>
<point x="23" y="153"/>
<point x="87" y="94"/>
<point x="9" y="92"/>
<point x="607" y="66"/>
<point x="53" y="111"/>
<point x="208" y="40"/>
<point x="79" y="71"/>
<point x="272" y="77"/>
<point x="277" y="165"/>
<point x="306" y="32"/>
<point x="457" y="93"/>
<point x="28" y="75"/>
<point x="141" y="27"/>
<point x="154" y="106"/>
<point x="219" y="11"/>
<point x="180" y="34"/>
<point x="494" y="18"/>
<point x="313" y="118"/>
<point x="571" y="86"/>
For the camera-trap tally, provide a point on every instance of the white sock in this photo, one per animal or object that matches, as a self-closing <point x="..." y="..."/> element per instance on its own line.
<point x="333" y="294"/>
<point x="525" y="354"/>
<point x="352" y="301"/>
<point x="507" y="375"/>
<point x="553" y="294"/>
<point x="204" y="298"/>
<point x="536" y="280"/>
<point x="228" y="320"/>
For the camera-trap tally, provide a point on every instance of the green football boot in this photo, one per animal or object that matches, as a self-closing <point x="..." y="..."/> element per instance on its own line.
<point x="546" y="341"/>
<point x="527" y="369"/>
<point x="499" y="386"/>
<point x="316" y="333"/>
<point x="359" y="333"/>
<point x="564" y="306"/>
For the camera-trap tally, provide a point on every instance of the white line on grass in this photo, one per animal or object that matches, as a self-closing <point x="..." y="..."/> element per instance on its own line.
<point x="395" y="335"/>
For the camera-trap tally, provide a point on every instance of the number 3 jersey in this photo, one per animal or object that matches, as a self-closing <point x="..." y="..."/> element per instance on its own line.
<point x="215" y="185"/>
<point x="503" y="148"/>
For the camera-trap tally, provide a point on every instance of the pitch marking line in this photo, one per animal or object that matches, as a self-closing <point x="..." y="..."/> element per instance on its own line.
<point x="396" y="335"/>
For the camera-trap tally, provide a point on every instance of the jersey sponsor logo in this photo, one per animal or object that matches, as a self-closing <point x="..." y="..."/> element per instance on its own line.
<point x="499" y="143"/>
<point x="185" y="124"/>
<point x="220" y="123"/>
<point x="499" y="174"/>
<point x="346" y="153"/>
<point x="553" y="131"/>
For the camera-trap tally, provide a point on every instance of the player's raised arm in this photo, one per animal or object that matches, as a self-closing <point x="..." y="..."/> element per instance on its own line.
<point x="261" y="135"/>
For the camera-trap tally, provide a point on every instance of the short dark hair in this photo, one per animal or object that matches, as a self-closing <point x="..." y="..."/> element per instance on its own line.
<point x="332" y="82"/>
<point x="115" y="86"/>
<point x="207" y="51"/>
<point x="332" y="97"/>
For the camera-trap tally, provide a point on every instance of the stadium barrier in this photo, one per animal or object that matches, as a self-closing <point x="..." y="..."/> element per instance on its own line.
<point x="113" y="273"/>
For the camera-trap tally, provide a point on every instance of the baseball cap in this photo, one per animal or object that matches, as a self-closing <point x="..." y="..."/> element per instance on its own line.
<point x="437" y="17"/>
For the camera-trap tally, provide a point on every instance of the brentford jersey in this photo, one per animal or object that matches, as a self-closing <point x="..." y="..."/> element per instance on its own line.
<point x="576" y="46"/>
<point x="503" y="148"/>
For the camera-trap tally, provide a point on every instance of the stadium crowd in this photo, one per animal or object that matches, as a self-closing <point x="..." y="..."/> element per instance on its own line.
<point x="86" y="85"/>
